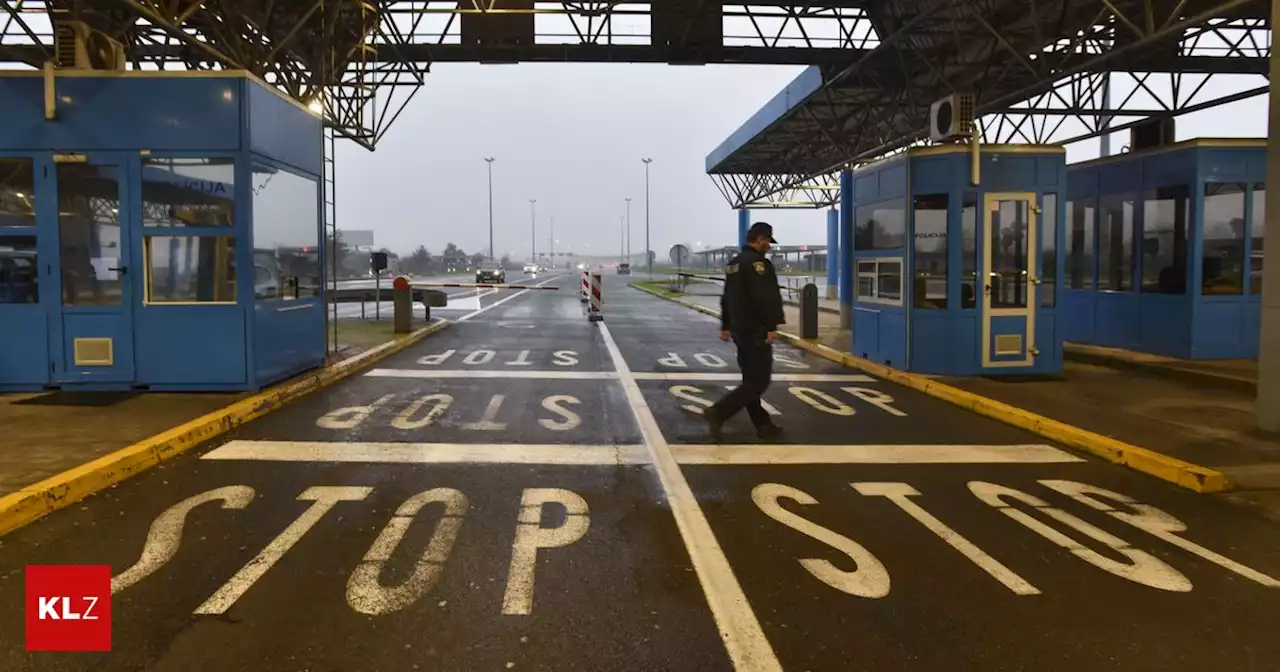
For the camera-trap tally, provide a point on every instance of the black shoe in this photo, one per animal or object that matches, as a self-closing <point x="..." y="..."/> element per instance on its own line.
<point x="769" y="432"/>
<point x="715" y="423"/>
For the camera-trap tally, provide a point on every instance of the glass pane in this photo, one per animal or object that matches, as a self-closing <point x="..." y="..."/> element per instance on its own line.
<point x="969" y="252"/>
<point x="17" y="200"/>
<point x="190" y="269"/>
<point x="1008" y="279"/>
<point x="1115" y="243"/>
<point x="1165" y="212"/>
<point x="1259" y="234"/>
<point x="188" y="192"/>
<point x="866" y="267"/>
<point x="1080" y="219"/>
<point x="89" y="228"/>
<point x="867" y="286"/>
<point x="889" y="280"/>
<point x="1223" y="263"/>
<point x="930" y="289"/>
<point x="19" y="274"/>
<point x="880" y="226"/>
<point x="1048" y="270"/>
<point x="286" y="234"/>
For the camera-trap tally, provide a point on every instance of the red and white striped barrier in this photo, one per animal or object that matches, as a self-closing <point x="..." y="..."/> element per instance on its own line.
<point x="481" y="285"/>
<point x="584" y="287"/>
<point x="597" y="303"/>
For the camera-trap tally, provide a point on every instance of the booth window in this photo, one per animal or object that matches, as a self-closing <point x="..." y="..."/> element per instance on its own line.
<point x="930" y="289"/>
<point x="1165" y="213"/>
<point x="1115" y="243"/>
<point x="1010" y="256"/>
<point x="1222" y="270"/>
<point x="1080" y="218"/>
<point x="89" y="233"/>
<point x="188" y="192"/>
<point x="1048" y="271"/>
<point x="880" y="226"/>
<point x="880" y="280"/>
<point x="190" y="269"/>
<point x="969" y="251"/>
<point x="1258" y="233"/>
<point x="19" y="270"/>
<point x="17" y="197"/>
<point x="286" y="235"/>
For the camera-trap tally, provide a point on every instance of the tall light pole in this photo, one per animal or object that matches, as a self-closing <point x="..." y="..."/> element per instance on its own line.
<point x="628" y="228"/>
<point x="647" y="257"/>
<point x="490" y="160"/>
<point x="553" y="242"/>
<point x="622" y="241"/>
<point x="533" y="231"/>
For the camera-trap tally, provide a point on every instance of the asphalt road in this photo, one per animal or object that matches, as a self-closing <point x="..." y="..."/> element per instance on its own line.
<point x="530" y="491"/>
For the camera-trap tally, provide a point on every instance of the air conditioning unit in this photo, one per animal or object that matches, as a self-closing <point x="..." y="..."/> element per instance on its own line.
<point x="81" y="47"/>
<point x="951" y="117"/>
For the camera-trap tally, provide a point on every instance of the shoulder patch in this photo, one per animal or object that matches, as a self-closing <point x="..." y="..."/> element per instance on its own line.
<point x="759" y="266"/>
<point x="731" y="268"/>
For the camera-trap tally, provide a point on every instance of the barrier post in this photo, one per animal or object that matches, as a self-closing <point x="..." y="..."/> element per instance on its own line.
<point x="584" y="287"/>
<point x="809" y="311"/>
<point x="402" y="303"/>
<point x="594" y="314"/>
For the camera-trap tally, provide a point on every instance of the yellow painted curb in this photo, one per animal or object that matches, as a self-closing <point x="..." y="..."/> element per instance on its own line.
<point x="39" y="499"/>
<point x="1171" y="469"/>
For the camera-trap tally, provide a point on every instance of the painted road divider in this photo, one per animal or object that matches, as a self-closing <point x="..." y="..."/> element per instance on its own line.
<point x="1165" y="467"/>
<point x="39" y="499"/>
<point x="481" y="285"/>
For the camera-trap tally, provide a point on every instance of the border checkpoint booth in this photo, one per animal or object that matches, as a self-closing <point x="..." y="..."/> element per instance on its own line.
<point x="976" y="242"/>
<point x="1164" y="249"/>
<point x="160" y="231"/>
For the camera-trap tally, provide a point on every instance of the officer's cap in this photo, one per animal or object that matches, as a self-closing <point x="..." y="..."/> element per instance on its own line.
<point x="760" y="229"/>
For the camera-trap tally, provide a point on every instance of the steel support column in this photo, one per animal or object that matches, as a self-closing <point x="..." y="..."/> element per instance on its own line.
<point x="744" y="223"/>
<point x="846" y="248"/>
<point x="833" y="253"/>
<point x="1268" y="406"/>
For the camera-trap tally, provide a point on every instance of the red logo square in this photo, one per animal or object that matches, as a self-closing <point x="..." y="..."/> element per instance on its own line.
<point x="68" y="607"/>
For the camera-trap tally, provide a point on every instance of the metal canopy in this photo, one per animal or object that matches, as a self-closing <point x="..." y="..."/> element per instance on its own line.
<point x="364" y="59"/>
<point x="1042" y="72"/>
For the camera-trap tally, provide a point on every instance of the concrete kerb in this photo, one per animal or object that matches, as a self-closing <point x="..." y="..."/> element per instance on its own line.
<point x="1167" y="468"/>
<point x="40" y="499"/>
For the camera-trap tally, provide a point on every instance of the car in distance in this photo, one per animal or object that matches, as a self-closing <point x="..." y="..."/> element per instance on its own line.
<point x="491" y="271"/>
<point x="624" y="269"/>
<point x="531" y="269"/>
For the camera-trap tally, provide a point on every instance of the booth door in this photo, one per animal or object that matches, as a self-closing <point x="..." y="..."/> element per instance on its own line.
<point x="1009" y="266"/>
<point x="92" y="334"/>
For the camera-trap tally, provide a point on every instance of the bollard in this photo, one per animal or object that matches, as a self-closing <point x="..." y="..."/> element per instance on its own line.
<point x="809" y="311"/>
<point x="594" y="313"/>
<point x="402" y="300"/>
<point x="584" y="289"/>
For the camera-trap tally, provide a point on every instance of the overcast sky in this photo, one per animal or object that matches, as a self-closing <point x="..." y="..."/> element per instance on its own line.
<point x="572" y="136"/>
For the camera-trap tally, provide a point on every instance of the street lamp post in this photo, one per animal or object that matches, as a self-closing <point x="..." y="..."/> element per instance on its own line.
<point x="490" y="160"/>
<point x="622" y="242"/>
<point x="533" y="231"/>
<point x="628" y="228"/>
<point x="648" y="257"/>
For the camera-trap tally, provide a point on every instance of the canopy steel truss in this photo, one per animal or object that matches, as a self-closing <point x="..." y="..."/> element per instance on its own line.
<point x="1039" y="70"/>
<point x="364" y="59"/>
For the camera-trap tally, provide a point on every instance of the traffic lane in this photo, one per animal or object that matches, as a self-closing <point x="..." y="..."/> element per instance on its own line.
<point x="866" y="411"/>
<point x="889" y="593"/>
<point x="455" y="411"/>
<point x="613" y="589"/>
<point x="555" y="302"/>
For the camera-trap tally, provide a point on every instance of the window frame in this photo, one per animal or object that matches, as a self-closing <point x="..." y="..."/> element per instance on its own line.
<point x="901" y="203"/>
<point x="147" y="280"/>
<point x="293" y="295"/>
<point x="874" y="276"/>
<point x="1243" y="242"/>
<point x="918" y="299"/>
<point x="1151" y="195"/>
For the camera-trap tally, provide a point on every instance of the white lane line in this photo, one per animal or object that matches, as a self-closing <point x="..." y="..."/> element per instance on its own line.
<point x="743" y="637"/>
<point x="428" y="453"/>
<point x="777" y="377"/>
<point x="870" y="454"/>
<point x="502" y="373"/>
<point x="499" y="302"/>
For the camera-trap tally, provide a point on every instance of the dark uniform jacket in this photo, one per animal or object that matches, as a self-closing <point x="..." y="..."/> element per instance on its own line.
<point x="751" y="300"/>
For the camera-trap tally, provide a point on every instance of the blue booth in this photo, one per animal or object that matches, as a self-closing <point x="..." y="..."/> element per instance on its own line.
<point x="1164" y="250"/>
<point x="160" y="231"/>
<point x="947" y="221"/>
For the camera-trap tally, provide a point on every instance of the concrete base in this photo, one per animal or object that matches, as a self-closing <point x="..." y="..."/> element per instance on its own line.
<point x="833" y="292"/>
<point x="846" y="316"/>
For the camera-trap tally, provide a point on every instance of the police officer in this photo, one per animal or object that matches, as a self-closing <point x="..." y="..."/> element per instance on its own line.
<point x="750" y="312"/>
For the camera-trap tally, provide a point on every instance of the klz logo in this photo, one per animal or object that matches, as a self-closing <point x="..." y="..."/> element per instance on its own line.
<point x="68" y="608"/>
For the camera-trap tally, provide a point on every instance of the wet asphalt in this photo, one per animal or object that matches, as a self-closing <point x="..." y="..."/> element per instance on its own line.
<point x="559" y="549"/>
